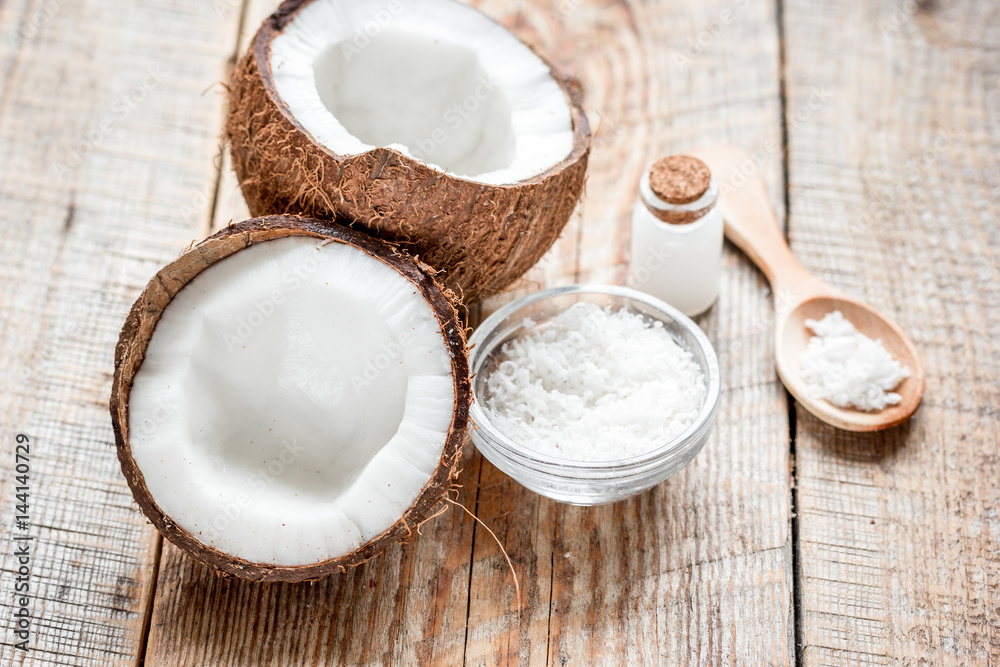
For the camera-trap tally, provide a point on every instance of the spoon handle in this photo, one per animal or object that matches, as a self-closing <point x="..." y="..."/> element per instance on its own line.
<point x="753" y="226"/>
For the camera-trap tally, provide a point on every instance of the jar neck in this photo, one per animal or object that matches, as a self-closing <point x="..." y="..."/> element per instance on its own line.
<point x="678" y="214"/>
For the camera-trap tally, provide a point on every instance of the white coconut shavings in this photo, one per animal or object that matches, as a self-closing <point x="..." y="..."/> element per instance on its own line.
<point x="849" y="369"/>
<point x="595" y="385"/>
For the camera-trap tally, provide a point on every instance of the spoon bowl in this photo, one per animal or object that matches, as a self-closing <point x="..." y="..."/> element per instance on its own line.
<point x="799" y="295"/>
<point x="792" y="336"/>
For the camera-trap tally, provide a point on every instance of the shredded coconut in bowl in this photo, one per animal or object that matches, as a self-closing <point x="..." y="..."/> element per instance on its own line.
<point x="849" y="369"/>
<point x="595" y="385"/>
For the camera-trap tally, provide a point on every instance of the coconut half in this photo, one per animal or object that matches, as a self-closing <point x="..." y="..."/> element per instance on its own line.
<point x="290" y="398"/>
<point x="423" y="121"/>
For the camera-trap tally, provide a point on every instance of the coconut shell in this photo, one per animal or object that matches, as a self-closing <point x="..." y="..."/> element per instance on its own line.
<point x="482" y="237"/>
<point x="165" y="285"/>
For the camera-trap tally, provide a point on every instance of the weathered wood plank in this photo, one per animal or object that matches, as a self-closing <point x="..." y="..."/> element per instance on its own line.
<point x="104" y="136"/>
<point x="894" y="192"/>
<point x="408" y="606"/>
<point x="697" y="570"/>
<point x="229" y="204"/>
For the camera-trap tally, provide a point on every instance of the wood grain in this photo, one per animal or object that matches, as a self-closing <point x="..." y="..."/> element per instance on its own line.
<point x="105" y="136"/>
<point x="894" y="194"/>
<point x="696" y="571"/>
<point x="408" y="606"/>
<point x="892" y="114"/>
<point x="228" y="204"/>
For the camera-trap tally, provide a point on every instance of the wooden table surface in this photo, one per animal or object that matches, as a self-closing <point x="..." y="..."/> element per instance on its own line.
<point x="876" y="124"/>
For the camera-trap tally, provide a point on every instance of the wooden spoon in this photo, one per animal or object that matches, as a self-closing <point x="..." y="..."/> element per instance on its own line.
<point x="799" y="295"/>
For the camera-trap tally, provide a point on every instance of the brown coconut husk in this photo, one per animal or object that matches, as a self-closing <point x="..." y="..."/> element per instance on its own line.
<point x="161" y="290"/>
<point x="482" y="237"/>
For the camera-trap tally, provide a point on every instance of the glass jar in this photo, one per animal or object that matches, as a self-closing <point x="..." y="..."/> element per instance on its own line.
<point x="586" y="482"/>
<point x="677" y="235"/>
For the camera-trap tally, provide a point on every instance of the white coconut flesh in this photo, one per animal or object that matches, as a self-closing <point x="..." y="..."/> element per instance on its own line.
<point x="433" y="79"/>
<point x="294" y="400"/>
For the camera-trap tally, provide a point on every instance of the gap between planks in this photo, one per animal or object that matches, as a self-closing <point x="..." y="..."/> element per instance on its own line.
<point x="205" y="231"/>
<point x="578" y="273"/>
<point x="798" y="635"/>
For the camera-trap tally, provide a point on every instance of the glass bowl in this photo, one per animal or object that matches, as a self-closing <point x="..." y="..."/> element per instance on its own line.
<point x="586" y="482"/>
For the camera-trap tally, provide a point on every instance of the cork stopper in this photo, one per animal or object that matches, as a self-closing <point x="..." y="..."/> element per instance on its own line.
<point x="678" y="190"/>
<point x="679" y="179"/>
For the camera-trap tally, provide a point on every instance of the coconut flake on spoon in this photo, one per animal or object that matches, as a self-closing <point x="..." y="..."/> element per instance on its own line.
<point x="423" y="121"/>
<point x="290" y="398"/>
